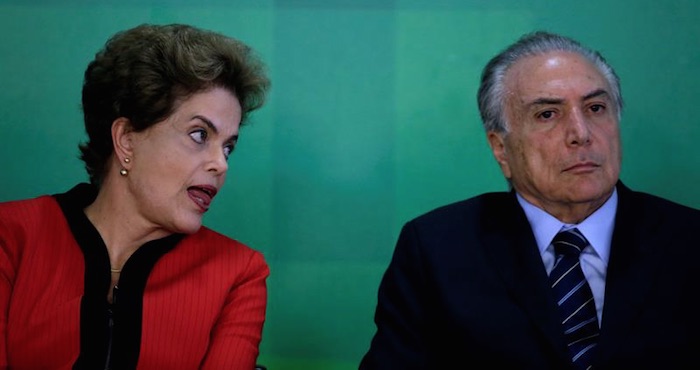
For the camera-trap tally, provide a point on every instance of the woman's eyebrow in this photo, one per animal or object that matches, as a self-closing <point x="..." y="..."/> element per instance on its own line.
<point x="211" y="126"/>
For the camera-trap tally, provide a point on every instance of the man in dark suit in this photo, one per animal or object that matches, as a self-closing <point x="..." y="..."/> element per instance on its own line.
<point x="474" y="284"/>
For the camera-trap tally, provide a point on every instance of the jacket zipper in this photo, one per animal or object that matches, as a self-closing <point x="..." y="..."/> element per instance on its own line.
<point x="110" y="324"/>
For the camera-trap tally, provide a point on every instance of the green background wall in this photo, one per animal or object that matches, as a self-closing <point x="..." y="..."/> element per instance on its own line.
<point x="372" y="120"/>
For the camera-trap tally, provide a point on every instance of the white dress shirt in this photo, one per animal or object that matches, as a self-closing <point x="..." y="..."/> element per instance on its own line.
<point x="597" y="228"/>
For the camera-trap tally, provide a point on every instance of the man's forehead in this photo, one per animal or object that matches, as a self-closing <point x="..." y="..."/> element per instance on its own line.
<point x="554" y="76"/>
<point x="552" y="63"/>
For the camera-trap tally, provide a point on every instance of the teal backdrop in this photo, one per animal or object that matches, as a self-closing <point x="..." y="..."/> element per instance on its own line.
<point x="371" y="121"/>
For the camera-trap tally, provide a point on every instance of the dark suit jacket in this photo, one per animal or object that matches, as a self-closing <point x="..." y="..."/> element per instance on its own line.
<point x="467" y="288"/>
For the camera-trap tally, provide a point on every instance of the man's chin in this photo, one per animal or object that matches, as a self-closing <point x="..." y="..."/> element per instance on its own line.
<point x="592" y="195"/>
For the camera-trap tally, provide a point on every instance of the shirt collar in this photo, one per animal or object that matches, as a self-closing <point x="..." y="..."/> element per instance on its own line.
<point x="598" y="227"/>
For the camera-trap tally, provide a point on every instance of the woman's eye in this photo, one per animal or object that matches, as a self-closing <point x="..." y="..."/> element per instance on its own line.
<point x="228" y="149"/>
<point x="199" y="136"/>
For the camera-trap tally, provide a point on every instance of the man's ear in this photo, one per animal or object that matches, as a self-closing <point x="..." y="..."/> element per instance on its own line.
<point x="122" y="138"/>
<point x="498" y="148"/>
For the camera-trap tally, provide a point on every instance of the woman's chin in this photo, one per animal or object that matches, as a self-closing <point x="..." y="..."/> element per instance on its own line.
<point x="189" y="226"/>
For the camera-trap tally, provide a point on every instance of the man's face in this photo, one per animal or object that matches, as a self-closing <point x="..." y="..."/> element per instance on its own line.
<point x="562" y="151"/>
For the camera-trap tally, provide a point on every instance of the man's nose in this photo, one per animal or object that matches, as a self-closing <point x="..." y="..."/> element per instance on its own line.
<point x="578" y="129"/>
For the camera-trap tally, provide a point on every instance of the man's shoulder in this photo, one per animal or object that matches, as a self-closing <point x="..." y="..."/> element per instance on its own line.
<point x="642" y="211"/>
<point x="482" y="206"/>
<point x="642" y="202"/>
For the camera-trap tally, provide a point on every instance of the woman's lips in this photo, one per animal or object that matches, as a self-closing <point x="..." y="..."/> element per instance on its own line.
<point x="202" y="195"/>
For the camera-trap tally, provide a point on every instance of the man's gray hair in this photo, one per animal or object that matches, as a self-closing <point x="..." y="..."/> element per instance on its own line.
<point x="491" y="95"/>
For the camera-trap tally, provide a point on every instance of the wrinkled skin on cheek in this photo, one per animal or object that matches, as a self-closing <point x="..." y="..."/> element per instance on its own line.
<point x="562" y="152"/>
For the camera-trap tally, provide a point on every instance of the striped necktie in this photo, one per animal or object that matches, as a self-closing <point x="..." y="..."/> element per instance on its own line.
<point x="574" y="297"/>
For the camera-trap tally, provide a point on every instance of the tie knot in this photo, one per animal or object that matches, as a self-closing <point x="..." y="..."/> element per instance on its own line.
<point x="569" y="242"/>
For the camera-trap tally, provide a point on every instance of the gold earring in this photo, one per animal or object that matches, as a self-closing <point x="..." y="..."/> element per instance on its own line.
<point x="124" y="171"/>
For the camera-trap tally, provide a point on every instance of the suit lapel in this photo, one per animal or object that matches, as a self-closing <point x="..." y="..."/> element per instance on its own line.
<point x="515" y="256"/>
<point x="633" y="266"/>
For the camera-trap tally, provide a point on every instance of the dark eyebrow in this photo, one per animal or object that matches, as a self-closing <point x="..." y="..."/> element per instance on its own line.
<point x="595" y="93"/>
<point x="211" y="126"/>
<point x="547" y="101"/>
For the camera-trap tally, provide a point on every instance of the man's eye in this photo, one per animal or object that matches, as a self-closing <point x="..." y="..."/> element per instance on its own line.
<point x="546" y="114"/>
<point x="199" y="136"/>
<point x="597" y="108"/>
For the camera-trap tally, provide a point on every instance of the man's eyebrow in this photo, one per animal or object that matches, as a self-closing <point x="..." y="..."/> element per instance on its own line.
<point x="211" y="126"/>
<point x="595" y="94"/>
<point x="548" y="101"/>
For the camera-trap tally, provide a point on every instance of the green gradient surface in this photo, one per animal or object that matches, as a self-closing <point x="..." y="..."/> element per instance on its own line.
<point x="371" y="121"/>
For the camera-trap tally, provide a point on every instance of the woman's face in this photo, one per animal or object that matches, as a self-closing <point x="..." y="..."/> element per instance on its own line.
<point x="179" y="164"/>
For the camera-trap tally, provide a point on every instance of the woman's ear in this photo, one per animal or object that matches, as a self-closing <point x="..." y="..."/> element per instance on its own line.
<point x="122" y="138"/>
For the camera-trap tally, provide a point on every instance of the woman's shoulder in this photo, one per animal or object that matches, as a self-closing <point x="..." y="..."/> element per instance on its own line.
<point x="207" y="235"/>
<point x="212" y="248"/>
<point x="217" y="242"/>
<point x="29" y="223"/>
<point x="29" y="211"/>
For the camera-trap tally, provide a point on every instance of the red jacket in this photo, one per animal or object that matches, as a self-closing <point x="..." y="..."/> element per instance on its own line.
<point x="184" y="302"/>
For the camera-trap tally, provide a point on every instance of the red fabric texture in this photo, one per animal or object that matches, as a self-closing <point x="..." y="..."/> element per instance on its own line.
<point x="203" y="306"/>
